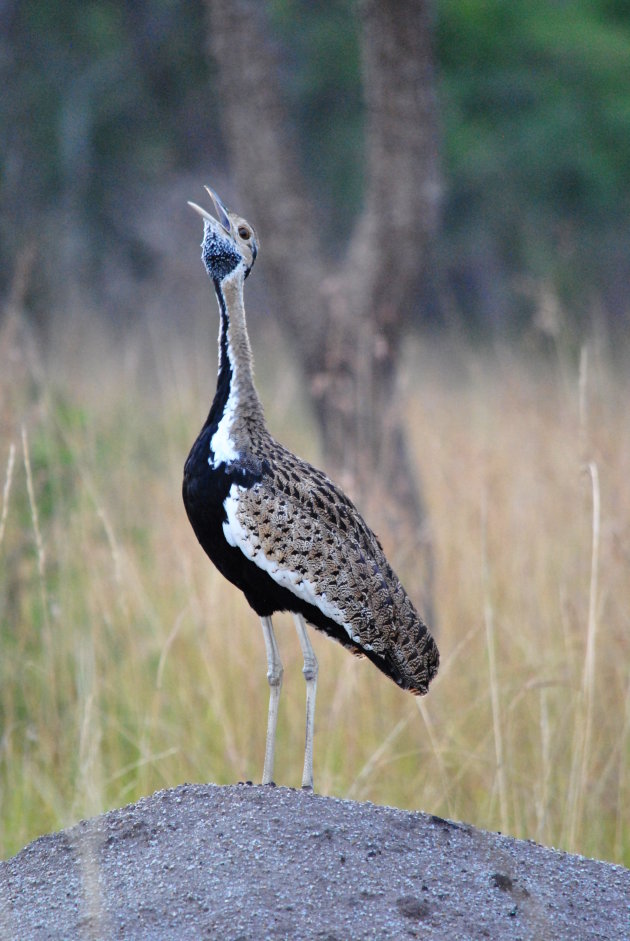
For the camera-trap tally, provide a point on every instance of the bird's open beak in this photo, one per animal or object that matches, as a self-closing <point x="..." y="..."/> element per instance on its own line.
<point x="219" y="208"/>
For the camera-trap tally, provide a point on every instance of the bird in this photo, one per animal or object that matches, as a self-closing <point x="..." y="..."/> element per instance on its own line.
<point x="277" y="527"/>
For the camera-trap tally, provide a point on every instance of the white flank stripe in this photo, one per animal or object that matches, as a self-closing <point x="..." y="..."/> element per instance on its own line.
<point x="249" y="545"/>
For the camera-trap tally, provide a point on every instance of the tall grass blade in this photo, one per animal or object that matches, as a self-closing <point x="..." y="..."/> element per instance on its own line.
<point x="6" y="491"/>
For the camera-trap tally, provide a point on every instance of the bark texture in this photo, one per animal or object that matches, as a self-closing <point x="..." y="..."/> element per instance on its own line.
<point x="345" y="324"/>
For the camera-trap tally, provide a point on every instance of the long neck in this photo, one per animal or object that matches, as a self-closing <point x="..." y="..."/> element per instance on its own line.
<point x="236" y="401"/>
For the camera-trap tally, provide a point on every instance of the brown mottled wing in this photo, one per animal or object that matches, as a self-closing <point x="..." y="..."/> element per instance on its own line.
<point x="308" y="535"/>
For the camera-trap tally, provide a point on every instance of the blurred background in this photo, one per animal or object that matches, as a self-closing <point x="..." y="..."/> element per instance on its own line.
<point x="107" y="108"/>
<point x="440" y="316"/>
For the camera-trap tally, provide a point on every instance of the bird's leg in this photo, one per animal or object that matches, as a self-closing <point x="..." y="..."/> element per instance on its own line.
<point x="274" y="676"/>
<point x="310" y="675"/>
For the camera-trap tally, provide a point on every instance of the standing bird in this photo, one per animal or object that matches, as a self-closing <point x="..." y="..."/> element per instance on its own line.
<point x="278" y="528"/>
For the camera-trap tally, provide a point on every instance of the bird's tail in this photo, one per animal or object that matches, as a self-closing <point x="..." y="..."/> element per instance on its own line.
<point x="411" y="661"/>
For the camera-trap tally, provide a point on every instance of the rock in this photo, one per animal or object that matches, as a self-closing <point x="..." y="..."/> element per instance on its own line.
<point x="248" y="863"/>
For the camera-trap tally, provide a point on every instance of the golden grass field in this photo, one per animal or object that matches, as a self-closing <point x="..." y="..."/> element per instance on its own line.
<point x="127" y="664"/>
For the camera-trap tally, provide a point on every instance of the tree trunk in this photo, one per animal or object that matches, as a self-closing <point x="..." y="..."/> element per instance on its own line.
<point x="346" y="325"/>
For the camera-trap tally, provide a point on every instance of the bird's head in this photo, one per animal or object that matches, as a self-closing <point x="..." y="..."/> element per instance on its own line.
<point x="228" y="240"/>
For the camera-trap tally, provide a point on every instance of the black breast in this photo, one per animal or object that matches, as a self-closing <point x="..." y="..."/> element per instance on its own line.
<point x="204" y="491"/>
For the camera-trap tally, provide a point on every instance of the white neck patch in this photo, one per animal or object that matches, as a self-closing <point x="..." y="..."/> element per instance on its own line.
<point x="222" y="443"/>
<point x="223" y="450"/>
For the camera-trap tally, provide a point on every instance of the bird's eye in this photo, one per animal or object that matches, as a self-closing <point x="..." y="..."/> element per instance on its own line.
<point x="244" y="232"/>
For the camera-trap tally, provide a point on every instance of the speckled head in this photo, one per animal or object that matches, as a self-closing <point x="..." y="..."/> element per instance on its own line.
<point x="228" y="241"/>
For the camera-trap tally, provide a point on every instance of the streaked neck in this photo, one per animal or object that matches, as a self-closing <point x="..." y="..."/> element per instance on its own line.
<point x="236" y="404"/>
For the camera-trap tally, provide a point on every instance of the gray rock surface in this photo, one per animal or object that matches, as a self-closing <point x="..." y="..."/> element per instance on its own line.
<point x="243" y="862"/>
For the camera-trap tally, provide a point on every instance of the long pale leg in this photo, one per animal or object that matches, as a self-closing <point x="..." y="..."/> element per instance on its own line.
<point x="310" y="675"/>
<point x="274" y="677"/>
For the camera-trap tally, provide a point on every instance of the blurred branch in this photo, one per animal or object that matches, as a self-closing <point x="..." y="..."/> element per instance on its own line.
<point x="401" y="205"/>
<point x="264" y="164"/>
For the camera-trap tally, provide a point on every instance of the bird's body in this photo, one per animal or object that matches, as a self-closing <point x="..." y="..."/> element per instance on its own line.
<point x="278" y="528"/>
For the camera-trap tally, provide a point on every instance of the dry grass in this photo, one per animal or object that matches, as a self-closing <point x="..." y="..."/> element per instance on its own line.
<point x="128" y="664"/>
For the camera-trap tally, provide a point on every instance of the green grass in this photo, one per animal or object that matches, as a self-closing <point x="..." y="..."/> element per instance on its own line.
<point x="127" y="664"/>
